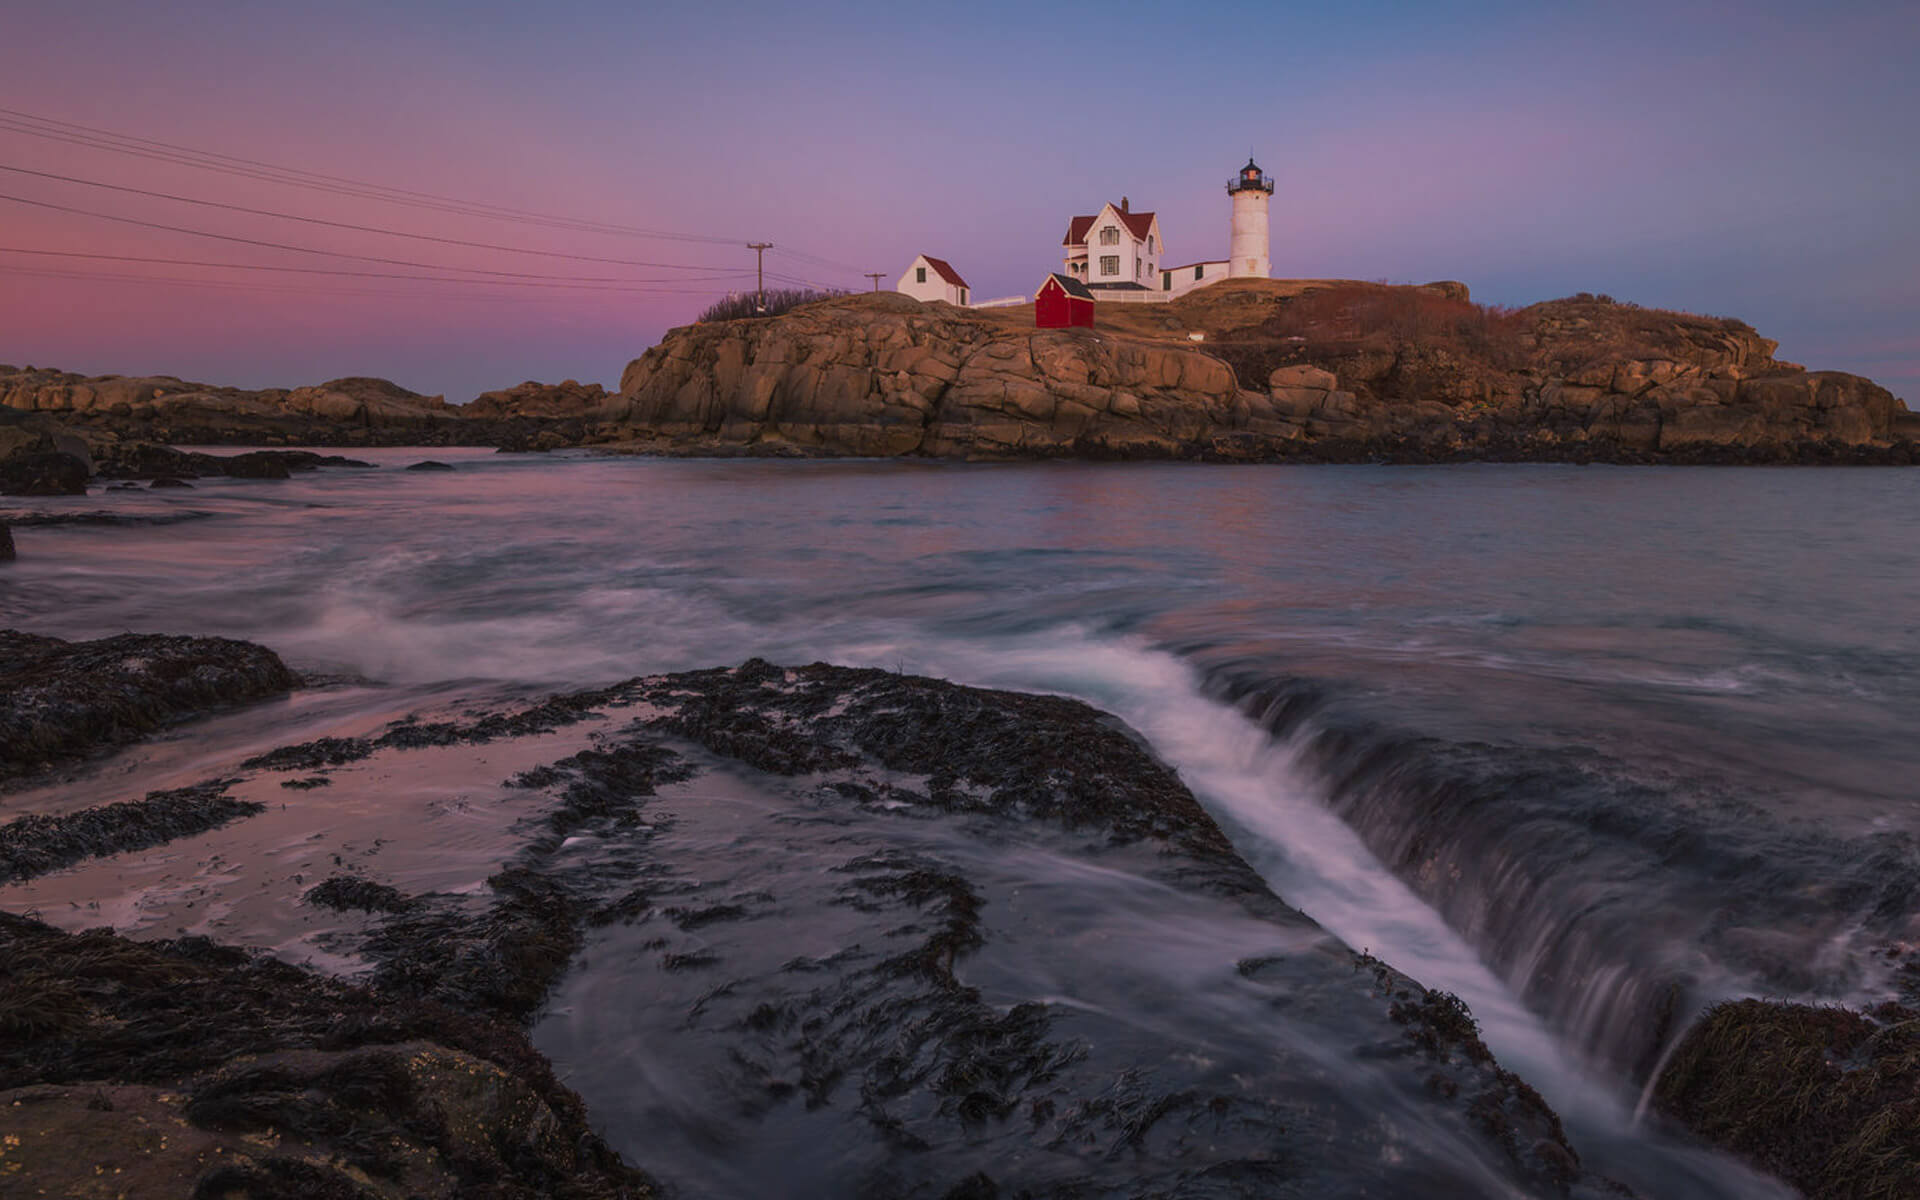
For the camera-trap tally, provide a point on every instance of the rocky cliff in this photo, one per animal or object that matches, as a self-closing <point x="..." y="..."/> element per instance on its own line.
<point x="1251" y="370"/>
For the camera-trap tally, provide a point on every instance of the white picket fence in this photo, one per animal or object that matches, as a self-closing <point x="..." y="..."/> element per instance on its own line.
<point x="1104" y="296"/>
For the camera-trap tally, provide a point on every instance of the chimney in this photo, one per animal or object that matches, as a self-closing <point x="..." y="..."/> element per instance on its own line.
<point x="1123" y="204"/>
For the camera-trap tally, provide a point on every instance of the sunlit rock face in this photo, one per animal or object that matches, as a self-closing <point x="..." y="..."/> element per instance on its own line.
<point x="1254" y="369"/>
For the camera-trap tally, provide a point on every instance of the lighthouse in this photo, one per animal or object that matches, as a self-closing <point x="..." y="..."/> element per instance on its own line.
<point x="1247" y="249"/>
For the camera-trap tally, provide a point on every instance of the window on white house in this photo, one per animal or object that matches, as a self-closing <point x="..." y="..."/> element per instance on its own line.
<point x="919" y="274"/>
<point x="963" y="295"/>
<point x="1149" y="243"/>
<point x="1197" y="271"/>
<point x="1109" y="264"/>
<point x="1110" y="236"/>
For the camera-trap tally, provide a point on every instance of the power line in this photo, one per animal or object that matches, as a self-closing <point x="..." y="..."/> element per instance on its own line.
<point x="227" y="237"/>
<point x="101" y="139"/>
<point x="241" y="285"/>
<point x="556" y="281"/>
<point x="818" y="261"/>
<point x="71" y="133"/>
<point x="815" y="284"/>
<point x="421" y="237"/>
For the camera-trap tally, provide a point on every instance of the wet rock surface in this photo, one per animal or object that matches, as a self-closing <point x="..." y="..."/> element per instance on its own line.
<point x="868" y="919"/>
<point x="61" y="700"/>
<point x="919" y="1080"/>
<point x="189" y="1069"/>
<point x="1826" y="1097"/>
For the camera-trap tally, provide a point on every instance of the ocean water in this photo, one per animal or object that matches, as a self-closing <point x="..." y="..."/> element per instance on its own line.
<point x="1591" y="747"/>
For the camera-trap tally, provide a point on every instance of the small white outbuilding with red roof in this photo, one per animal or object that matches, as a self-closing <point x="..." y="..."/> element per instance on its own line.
<point x="930" y="278"/>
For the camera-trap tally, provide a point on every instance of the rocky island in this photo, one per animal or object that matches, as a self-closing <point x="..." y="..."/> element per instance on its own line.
<point x="1253" y="370"/>
<point x="1248" y="370"/>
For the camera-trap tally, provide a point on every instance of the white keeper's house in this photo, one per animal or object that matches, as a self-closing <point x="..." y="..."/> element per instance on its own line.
<point x="930" y="278"/>
<point x="1114" y="249"/>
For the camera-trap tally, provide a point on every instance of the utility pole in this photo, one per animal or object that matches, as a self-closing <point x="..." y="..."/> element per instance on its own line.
<point x="759" y="273"/>
<point x="875" y="276"/>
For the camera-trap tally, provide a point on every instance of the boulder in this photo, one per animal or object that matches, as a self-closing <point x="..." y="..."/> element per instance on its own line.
<point x="1303" y="375"/>
<point x="6" y="543"/>
<point x="44" y="473"/>
<point x="1822" y="1096"/>
<point x="61" y="700"/>
<point x="567" y="398"/>
<point x="250" y="1077"/>
<point x="261" y="464"/>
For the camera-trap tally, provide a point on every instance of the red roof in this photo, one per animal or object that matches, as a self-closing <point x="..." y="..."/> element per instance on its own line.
<point x="945" y="270"/>
<point x="1136" y="222"/>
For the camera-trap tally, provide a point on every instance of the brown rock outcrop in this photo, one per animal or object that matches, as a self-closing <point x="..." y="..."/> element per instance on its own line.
<point x="882" y="374"/>
<point x="162" y="408"/>
<point x="568" y="398"/>
<point x="1338" y="371"/>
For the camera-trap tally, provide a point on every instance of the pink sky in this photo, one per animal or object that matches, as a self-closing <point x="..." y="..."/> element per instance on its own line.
<point x="1751" y="161"/>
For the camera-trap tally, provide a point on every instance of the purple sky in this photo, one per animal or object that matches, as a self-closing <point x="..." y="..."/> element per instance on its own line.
<point x="1750" y="160"/>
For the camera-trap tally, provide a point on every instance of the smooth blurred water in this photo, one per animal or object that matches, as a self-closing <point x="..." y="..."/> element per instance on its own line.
<point x="1685" y="696"/>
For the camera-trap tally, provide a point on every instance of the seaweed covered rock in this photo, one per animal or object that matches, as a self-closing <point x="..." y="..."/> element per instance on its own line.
<point x="904" y="930"/>
<point x="167" y="466"/>
<point x="60" y="700"/>
<point x="186" y="1069"/>
<point x="973" y="942"/>
<point x="348" y="892"/>
<point x="1825" y="1097"/>
<point x="38" y="842"/>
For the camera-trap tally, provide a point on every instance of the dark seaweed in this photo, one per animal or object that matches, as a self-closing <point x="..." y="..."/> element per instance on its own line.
<point x="35" y="844"/>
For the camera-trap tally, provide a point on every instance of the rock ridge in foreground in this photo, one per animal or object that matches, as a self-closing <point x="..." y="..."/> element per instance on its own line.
<point x="892" y="819"/>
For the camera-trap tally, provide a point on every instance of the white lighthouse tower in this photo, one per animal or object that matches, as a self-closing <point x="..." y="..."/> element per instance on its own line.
<point x="1247" y="250"/>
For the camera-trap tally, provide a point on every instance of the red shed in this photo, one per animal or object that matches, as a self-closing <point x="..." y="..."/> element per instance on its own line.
<point x="1061" y="302"/>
